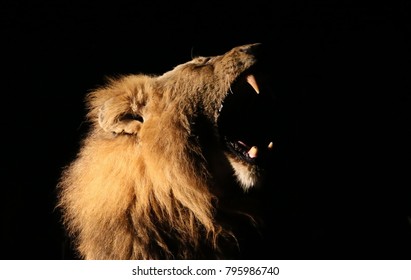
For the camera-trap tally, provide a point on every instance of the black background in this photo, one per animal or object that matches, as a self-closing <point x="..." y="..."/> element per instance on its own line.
<point x="341" y="188"/>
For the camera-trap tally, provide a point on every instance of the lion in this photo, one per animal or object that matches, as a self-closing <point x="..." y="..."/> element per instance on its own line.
<point x="154" y="173"/>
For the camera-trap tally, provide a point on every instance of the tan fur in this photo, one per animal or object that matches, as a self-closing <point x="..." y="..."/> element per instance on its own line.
<point x="147" y="180"/>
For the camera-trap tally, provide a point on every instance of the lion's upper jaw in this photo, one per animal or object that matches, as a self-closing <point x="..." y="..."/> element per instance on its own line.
<point x="226" y="81"/>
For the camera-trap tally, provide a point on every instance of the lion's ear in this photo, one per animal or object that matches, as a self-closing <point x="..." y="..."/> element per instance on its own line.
<point x="117" y="116"/>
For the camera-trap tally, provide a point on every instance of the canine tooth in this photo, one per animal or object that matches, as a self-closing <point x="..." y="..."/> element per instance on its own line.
<point x="271" y="145"/>
<point x="251" y="80"/>
<point x="252" y="153"/>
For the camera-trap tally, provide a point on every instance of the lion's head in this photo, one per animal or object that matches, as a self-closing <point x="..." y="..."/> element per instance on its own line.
<point x="160" y="153"/>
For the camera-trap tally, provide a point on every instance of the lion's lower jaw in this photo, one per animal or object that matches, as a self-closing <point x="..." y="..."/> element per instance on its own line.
<point x="247" y="175"/>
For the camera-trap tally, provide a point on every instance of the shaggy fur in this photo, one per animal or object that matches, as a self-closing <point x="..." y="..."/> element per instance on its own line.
<point x="151" y="175"/>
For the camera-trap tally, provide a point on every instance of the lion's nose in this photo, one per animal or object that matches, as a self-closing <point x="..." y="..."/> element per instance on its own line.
<point x="254" y="49"/>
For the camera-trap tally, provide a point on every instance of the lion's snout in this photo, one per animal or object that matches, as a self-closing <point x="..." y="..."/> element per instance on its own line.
<point x="252" y="49"/>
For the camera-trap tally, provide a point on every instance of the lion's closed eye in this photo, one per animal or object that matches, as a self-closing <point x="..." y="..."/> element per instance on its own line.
<point x="201" y="60"/>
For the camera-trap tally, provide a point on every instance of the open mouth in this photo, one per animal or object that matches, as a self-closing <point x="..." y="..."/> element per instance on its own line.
<point x="243" y="120"/>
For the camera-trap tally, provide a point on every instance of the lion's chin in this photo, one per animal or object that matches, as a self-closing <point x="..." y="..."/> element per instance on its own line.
<point x="248" y="175"/>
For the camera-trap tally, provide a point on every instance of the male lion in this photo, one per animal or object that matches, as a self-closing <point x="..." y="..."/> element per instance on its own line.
<point x="154" y="175"/>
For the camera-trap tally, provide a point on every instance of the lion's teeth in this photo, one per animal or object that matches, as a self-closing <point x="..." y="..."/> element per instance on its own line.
<point x="271" y="145"/>
<point x="252" y="153"/>
<point x="251" y="80"/>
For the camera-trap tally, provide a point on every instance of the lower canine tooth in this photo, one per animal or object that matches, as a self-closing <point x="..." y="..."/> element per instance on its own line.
<point x="271" y="145"/>
<point x="252" y="153"/>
